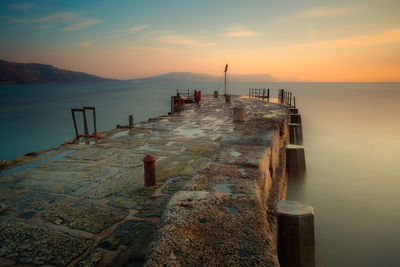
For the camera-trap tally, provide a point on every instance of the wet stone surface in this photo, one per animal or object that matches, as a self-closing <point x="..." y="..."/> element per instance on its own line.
<point x="85" y="204"/>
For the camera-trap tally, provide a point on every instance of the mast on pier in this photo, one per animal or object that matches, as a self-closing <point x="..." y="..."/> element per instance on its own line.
<point x="227" y="96"/>
<point x="226" y="69"/>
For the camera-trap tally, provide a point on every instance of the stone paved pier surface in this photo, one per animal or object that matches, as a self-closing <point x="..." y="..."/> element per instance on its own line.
<point x="215" y="202"/>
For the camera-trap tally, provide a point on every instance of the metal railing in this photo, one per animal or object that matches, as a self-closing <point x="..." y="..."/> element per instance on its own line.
<point x="259" y="93"/>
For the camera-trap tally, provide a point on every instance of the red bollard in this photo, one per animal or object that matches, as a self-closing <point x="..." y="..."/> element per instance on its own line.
<point x="149" y="170"/>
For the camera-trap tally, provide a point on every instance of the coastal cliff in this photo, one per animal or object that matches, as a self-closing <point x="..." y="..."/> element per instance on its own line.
<point x="12" y="72"/>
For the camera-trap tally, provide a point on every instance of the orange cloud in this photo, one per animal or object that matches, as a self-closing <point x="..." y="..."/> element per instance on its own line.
<point x="240" y="31"/>
<point x="138" y="28"/>
<point x="319" y="12"/>
<point x="85" y="44"/>
<point x="387" y="37"/>
<point x="182" y="40"/>
<point x="82" y="25"/>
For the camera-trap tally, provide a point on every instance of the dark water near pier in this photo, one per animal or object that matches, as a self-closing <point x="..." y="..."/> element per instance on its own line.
<point x="351" y="139"/>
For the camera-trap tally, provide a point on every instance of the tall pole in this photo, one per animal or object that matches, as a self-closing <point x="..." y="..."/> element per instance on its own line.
<point x="225" y="84"/>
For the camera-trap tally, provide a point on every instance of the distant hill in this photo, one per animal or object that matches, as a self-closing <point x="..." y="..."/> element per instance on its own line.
<point x="202" y="77"/>
<point x="11" y="72"/>
<point x="180" y="77"/>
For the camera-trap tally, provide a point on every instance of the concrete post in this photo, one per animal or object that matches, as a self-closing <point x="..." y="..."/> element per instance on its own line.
<point x="215" y="94"/>
<point x="295" y="161"/>
<point x="149" y="170"/>
<point x="295" y="118"/>
<point x="239" y="114"/>
<point x="296" y="133"/>
<point x="296" y="234"/>
<point x="130" y="121"/>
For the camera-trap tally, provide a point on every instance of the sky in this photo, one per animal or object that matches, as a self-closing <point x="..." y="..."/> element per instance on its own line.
<point x="315" y="40"/>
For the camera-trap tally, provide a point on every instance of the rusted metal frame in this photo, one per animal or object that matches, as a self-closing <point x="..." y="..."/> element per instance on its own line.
<point x="84" y="121"/>
<point x="94" y="120"/>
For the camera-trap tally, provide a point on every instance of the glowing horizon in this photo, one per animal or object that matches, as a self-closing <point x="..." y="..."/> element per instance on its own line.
<point x="337" y="41"/>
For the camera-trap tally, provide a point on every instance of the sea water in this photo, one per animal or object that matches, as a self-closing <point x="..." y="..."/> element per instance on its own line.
<point x="351" y="140"/>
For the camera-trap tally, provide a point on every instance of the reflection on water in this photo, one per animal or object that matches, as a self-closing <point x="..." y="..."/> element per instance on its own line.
<point x="351" y="137"/>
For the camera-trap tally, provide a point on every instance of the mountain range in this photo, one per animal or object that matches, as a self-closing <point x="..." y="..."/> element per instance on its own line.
<point x="202" y="77"/>
<point x="12" y="72"/>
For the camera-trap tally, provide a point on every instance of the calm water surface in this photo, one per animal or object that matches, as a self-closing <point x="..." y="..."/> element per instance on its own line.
<point x="351" y="139"/>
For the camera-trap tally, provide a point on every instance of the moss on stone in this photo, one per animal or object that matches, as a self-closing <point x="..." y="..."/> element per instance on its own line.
<point x="94" y="257"/>
<point x="137" y="236"/>
<point x="155" y="208"/>
<point x="89" y="218"/>
<point x="176" y="184"/>
<point x="33" y="245"/>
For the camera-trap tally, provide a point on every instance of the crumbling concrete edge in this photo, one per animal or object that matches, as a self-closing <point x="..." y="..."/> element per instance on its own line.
<point x="221" y="191"/>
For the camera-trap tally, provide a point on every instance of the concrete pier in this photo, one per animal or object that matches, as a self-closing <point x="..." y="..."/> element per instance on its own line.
<point x="295" y="118"/>
<point x="131" y="121"/>
<point x="295" y="160"/>
<point x="296" y="234"/>
<point x="296" y="133"/>
<point x="214" y="203"/>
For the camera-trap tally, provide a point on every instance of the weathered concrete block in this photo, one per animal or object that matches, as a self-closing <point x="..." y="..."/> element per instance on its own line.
<point x="295" y="118"/>
<point x="131" y="121"/>
<point x="296" y="234"/>
<point x="296" y="133"/>
<point x="295" y="161"/>
<point x="239" y="114"/>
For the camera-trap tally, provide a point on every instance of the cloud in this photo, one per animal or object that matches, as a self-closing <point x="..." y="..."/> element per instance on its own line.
<point x="138" y="28"/>
<point x="21" y="6"/>
<point x="57" y="17"/>
<point x="52" y="19"/>
<point x="320" y="12"/>
<point x="154" y="33"/>
<point x="240" y="31"/>
<point x="85" y="44"/>
<point x="386" y="37"/>
<point x="149" y="49"/>
<point x="181" y="40"/>
<point x="121" y="33"/>
<point x="82" y="25"/>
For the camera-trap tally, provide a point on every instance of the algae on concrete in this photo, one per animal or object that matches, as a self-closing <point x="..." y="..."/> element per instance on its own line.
<point x="30" y="244"/>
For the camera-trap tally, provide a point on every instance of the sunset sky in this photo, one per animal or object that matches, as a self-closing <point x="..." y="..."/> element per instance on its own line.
<point x="308" y="40"/>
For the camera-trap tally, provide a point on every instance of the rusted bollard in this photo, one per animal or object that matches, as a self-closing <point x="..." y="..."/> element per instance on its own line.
<point x="227" y="98"/>
<point x="130" y="121"/>
<point x="149" y="170"/>
<point x="215" y="94"/>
